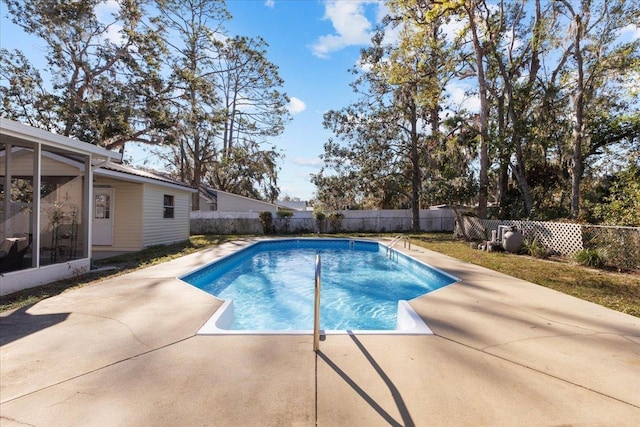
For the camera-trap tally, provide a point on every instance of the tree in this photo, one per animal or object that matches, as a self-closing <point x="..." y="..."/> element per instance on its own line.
<point x="451" y="180"/>
<point x="514" y="52"/>
<point x="481" y="30"/>
<point x="422" y="51"/>
<point x="371" y="167"/>
<point x="472" y="10"/>
<point x="391" y="131"/>
<point x="25" y="98"/>
<point x="622" y="205"/>
<point x="226" y="102"/>
<point x="249" y="170"/>
<point x="194" y="30"/>
<point x="337" y="191"/>
<point x="248" y="86"/>
<point x="600" y="64"/>
<point x="105" y="89"/>
<point x="253" y="109"/>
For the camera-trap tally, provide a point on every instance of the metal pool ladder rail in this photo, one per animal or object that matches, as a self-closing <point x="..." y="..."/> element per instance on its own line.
<point x="316" y="308"/>
<point x="396" y="239"/>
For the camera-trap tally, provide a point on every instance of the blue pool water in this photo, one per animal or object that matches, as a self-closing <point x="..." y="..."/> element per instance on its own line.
<point x="271" y="284"/>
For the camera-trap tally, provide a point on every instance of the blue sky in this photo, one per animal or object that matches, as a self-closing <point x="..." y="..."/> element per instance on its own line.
<point x="314" y="43"/>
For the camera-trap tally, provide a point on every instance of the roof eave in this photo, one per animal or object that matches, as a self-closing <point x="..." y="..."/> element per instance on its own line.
<point x="17" y="131"/>
<point x="141" y="179"/>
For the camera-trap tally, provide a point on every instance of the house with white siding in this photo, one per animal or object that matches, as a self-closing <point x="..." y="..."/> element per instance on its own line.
<point x="146" y="209"/>
<point x="64" y="202"/>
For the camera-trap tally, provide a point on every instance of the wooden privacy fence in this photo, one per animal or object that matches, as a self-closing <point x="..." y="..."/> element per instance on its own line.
<point x="381" y="221"/>
<point x="621" y="244"/>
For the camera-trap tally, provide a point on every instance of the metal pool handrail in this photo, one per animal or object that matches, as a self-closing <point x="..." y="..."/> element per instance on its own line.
<point x="316" y="309"/>
<point x="396" y="239"/>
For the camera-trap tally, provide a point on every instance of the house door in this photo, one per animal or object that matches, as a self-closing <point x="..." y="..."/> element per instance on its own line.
<point x="103" y="216"/>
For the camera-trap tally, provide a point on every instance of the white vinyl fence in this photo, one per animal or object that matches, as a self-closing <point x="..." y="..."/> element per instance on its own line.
<point x="375" y="221"/>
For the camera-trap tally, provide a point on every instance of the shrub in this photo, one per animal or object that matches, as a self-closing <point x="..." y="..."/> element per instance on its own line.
<point x="320" y="217"/>
<point x="284" y="213"/>
<point x="591" y="257"/>
<point x="335" y="219"/>
<point x="284" y="219"/>
<point x="535" y="248"/>
<point x="621" y="245"/>
<point x="266" y="219"/>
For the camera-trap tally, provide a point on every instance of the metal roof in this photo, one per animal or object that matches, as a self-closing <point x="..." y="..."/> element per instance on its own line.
<point x="139" y="174"/>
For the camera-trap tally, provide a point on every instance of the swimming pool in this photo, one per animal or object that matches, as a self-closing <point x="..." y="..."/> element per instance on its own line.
<point x="268" y="288"/>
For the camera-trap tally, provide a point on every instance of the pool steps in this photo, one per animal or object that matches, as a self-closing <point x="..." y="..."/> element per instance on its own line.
<point x="408" y="322"/>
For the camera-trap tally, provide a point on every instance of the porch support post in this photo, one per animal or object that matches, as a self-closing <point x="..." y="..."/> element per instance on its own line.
<point x="87" y="212"/>
<point x="6" y="229"/>
<point x="35" y="216"/>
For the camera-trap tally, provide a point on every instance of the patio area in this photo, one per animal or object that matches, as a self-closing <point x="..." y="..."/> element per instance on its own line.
<point x="504" y="352"/>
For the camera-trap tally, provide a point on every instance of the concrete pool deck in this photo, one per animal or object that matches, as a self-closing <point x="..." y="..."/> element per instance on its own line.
<point x="504" y="352"/>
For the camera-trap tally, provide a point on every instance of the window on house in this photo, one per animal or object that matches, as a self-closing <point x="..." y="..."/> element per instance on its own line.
<point x="168" y="206"/>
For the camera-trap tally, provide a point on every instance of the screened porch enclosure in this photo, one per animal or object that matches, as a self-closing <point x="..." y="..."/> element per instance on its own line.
<point x="46" y="185"/>
<point x="43" y="199"/>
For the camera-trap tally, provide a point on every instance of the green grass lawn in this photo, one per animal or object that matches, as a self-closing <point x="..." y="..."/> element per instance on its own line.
<point x="619" y="291"/>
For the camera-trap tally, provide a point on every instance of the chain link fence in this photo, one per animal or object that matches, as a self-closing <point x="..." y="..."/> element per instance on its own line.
<point x="621" y="245"/>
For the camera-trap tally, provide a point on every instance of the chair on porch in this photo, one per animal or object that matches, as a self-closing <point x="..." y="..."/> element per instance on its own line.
<point x="12" y="252"/>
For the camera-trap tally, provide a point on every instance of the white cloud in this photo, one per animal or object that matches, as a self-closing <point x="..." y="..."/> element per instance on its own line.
<point x="631" y="31"/>
<point x="106" y="9"/>
<point x="452" y="28"/>
<point x="114" y="34"/>
<point x="105" y="12"/>
<point x="270" y="3"/>
<point x="350" y="23"/>
<point x="364" y="66"/>
<point x="296" y="105"/>
<point x="460" y="97"/>
<point x="315" y="162"/>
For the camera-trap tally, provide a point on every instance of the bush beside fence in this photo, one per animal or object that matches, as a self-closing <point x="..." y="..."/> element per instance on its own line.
<point x="621" y="245"/>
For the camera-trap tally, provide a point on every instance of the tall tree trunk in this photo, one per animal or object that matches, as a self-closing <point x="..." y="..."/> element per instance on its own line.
<point x="533" y="72"/>
<point x="415" y="172"/>
<point x="225" y="138"/>
<point x="233" y="106"/>
<point x="521" y="176"/>
<point x="519" y="169"/>
<point x="197" y="175"/>
<point x="460" y="222"/>
<point x="483" y="117"/>
<point x="578" y="126"/>
<point x="504" y="154"/>
<point x="518" y="118"/>
<point x="183" y="176"/>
